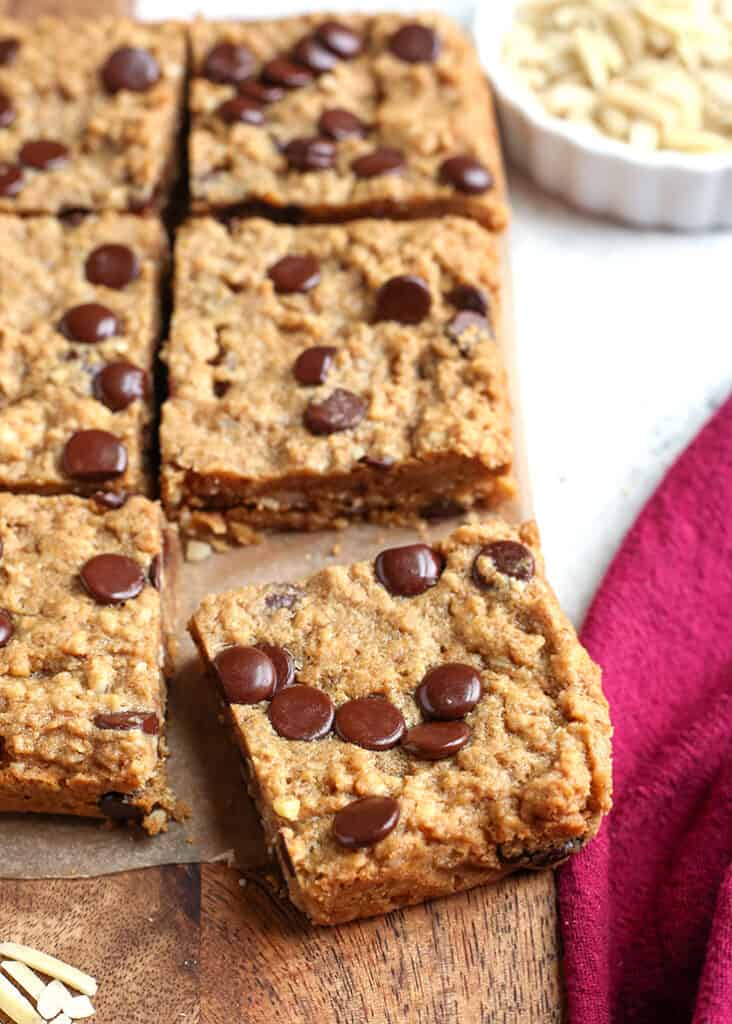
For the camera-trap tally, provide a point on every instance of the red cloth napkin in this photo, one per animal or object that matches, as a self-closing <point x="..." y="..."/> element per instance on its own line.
<point x="646" y="909"/>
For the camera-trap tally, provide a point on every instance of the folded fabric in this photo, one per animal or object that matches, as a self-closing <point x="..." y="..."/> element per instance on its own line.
<point x="646" y="909"/>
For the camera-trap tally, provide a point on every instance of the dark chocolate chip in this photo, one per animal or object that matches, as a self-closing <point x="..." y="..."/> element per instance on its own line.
<point x="466" y="321"/>
<point x="8" y="50"/>
<point x="370" y="722"/>
<point x="155" y="572"/>
<point x="366" y="821"/>
<point x="311" y="52"/>
<point x="43" y="154"/>
<point x="343" y="41"/>
<point x="410" y="570"/>
<point x="110" y="499"/>
<point x="310" y="154"/>
<point x="313" y="365"/>
<point x="341" y="410"/>
<point x="114" y="266"/>
<point x="287" y="73"/>
<point x="241" y="110"/>
<point x="7" y="110"/>
<point x="6" y="627"/>
<point x="379" y="161"/>
<point x="449" y="691"/>
<point x="147" y="721"/>
<point x="112" y="579"/>
<point x="117" y="385"/>
<point x="130" y="67"/>
<point x="377" y="461"/>
<point x="301" y="713"/>
<point x="433" y="741"/>
<point x="229" y="64"/>
<point x="340" y="124"/>
<point x="467" y="296"/>
<point x="117" y="807"/>
<point x="284" y="664"/>
<point x="405" y="299"/>
<point x="442" y="508"/>
<point x="11" y="179"/>
<point x="509" y="557"/>
<point x="94" y="455"/>
<point x="246" y="674"/>
<point x="262" y="92"/>
<point x="284" y="856"/>
<point x="295" y="274"/>
<point x="286" y="596"/>
<point x="466" y="175"/>
<point x="544" y="857"/>
<point x="415" y="44"/>
<point x="90" y="322"/>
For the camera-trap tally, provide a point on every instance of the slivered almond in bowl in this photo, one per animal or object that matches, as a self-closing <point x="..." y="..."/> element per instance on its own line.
<point x="27" y="999"/>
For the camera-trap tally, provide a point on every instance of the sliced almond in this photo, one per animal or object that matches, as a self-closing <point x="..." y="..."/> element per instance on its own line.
<point x="24" y="976"/>
<point x="53" y="1000"/>
<point x="14" y="1004"/>
<point x="61" y="1019"/>
<point x="80" y="1008"/>
<point x="51" y="966"/>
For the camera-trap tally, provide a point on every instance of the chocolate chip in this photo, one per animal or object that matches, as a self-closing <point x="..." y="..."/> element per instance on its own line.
<point x="405" y="299"/>
<point x="284" y="856"/>
<point x="449" y="691"/>
<point x="114" y="266"/>
<point x="341" y="410"/>
<point x="130" y="67"/>
<point x="43" y="154"/>
<point x="466" y="175"/>
<point x="370" y="722"/>
<point x="295" y="274"/>
<point x="313" y="365"/>
<point x="94" y="455"/>
<point x="544" y="857"/>
<point x="340" y="124"/>
<point x="112" y="579"/>
<point x="2" y="547"/>
<point x="7" y="110"/>
<point x="11" y="179"/>
<point x="509" y="557"/>
<point x="229" y="64"/>
<point x="6" y="627"/>
<point x="117" y="385"/>
<point x="343" y="41"/>
<point x="286" y="596"/>
<point x="286" y="73"/>
<point x="262" y="92"/>
<point x="8" y="50"/>
<point x="442" y="508"/>
<point x="147" y="721"/>
<point x="301" y="713"/>
<point x="241" y="110"/>
<point x="117" y="807"/>
<point x="377" y="461"/>
<point x="379" y="161"/>
<point x="433" y="741"/>
<point x="310" y="154"/>
<point x="110" y="499"/>
<point x="467" y="296"/>
<point x="466" y="322"/>
<point x="246" y="674"/>
<point x="284" y="664"/>
<point x="410" y="570"/>
<point x="311" y="52"/>
<point x="155" y="573"/>
<point x="90" y="322"/>
<point x="366" y="821"/>
<point x="415" y="44"/>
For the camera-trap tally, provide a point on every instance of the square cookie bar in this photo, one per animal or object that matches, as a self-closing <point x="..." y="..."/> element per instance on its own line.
<point x="321" y="373"/>
<point x="415" y="725"/>
<point x="329" y="120"/>
<point x="87" y="605"/>
<point x="90" y="110"/>
<point x="79" y="326"/>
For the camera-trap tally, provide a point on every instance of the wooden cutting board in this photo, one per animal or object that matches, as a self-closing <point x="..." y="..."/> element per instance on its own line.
<point x="193" y="945"/>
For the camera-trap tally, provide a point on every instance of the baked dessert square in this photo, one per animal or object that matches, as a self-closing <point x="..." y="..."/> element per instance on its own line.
<point x="319" y="119"/>
<point x="90" y="110"/>
<point x="87" y="610"/>
<point x="320" y="373"/>
<point x="79" y="327"/>
<point x="414" y="725"/>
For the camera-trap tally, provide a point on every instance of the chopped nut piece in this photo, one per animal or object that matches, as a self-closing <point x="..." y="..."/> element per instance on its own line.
<point x="51" y="966"/>
<point x="80" y="1008"/>
<point x="24" y="976"/>
<point x="15" y="1005"/>
<point x="198" y="551"/>
<point x="53" y="1000"/>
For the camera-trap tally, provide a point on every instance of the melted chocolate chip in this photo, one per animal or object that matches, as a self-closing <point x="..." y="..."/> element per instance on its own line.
<point x="340" y="124"/>
<point x="241" y="110"/>
<point x="366" y="821"/>
<point x="410" y="570"/>
<point x="7" y="110"/>
<point x="466" y="175"/>
<point x="228" y="63"/>
<point x="467" y="296"/>
<point x="377" y="461"/>
<point x="89" y="323"/>
<point x="370" y="722"/>
<point x="311" y="52"/>
<point x="343" y="41"/>
<point x="117" y="385"/>
<point x="147" y="721"/>
<point x="313" y="365"/>
<point x="246" y="674"/>
<point x="301" y="713"/>
<point x="415" y="44"/>
<point x="295" y="274"/>
<point x="310" y="154"/>
<point x="155" y="573"/>
<point x="405" y="299"/>
<point x="262" y="92"/>
<point x="94" y="455"/>
<point x="6" y="627"/>
<point x="469" y="324"/>
<point x="442" y="508"/>
<point x="449" y="691"/>
<point x="8" y="50"/>
<point x="113" y="266"/>
<point x="379" y="161"/>
<point x="284" y="664"/>
<point x="286" y="596"/>
<point x="110" y="499"/>
<point x="286" y="73"/>
<point x="545" y="857"/>
<point x="117" y="807"/>
<point x="284" y="856"/>
<point x="130" y="67"/>
<point x="112" y="579"/>
<point x="11" y="180"/>
<point x="43" y="154"/>
<point x="509" y="557"/>
<point x="341" y="410"/>
<point x="433" y="741"/>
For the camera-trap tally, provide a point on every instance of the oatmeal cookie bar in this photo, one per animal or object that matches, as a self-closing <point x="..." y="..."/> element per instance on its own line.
<point x="321" y="373"/>
<point x="330" y="120"/>
<point x="87" y="606"/>
<point x="90" y="110"/>
<point x="415" y="725"/>
<point x="79" y="325"/>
